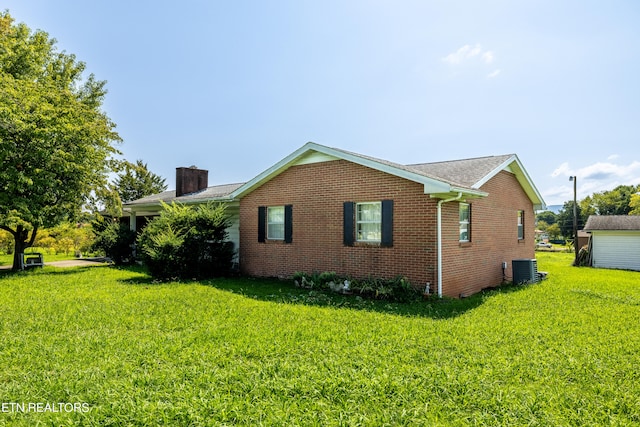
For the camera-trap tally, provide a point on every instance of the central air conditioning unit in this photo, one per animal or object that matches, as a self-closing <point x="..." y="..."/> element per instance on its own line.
<point x="525" y="271"/>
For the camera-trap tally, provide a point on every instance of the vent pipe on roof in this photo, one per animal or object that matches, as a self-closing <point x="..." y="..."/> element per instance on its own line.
<point x="439" y="232"/>
<point x="190" y="180"/>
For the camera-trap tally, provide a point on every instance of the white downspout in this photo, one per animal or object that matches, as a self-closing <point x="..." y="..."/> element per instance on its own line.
<point x="439" y="233"/>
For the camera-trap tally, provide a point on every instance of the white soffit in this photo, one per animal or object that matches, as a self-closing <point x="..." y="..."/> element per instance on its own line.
<point x="314" y="157"/>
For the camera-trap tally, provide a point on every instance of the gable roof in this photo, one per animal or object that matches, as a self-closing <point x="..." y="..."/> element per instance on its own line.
<point x="477" y="171"/>
<point x="466" y="172"/>
<point x="613" y="222"/>
<point x="440" y="179"/>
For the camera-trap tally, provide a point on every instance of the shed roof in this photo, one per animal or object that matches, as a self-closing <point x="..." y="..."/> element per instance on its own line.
<point x="612" y="222"/>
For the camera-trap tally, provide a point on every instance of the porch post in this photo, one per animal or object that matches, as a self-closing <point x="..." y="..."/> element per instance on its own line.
<point x="132" y="221"/>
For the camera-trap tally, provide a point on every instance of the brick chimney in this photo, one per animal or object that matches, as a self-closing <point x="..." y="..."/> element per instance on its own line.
<point x="191" y="179"/>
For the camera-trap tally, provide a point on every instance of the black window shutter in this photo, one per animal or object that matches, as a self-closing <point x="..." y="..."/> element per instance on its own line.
<point x="387" y="223"/>
<point x="262" y="223"/>
<point x="470" y="229"/>
<point x="348" y="224"/>
<point x="288" y="223"/>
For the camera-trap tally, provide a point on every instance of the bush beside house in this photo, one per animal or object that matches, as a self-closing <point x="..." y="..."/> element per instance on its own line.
<point x="115" y="240"/>
<point x="187" y="242"/>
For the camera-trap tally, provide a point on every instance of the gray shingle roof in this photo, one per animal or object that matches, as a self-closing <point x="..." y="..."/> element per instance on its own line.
<point x="441" y="177"/>
<point x="465" y="172"/>
<point x="213" y="192"/>
<point x="613" y="222"/>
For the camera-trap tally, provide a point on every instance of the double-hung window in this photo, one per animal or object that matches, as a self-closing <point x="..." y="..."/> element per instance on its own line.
<point x="520" y="225"/>
<point x="465" y="222"/>
<point x="275" y="223"/>
<point x="368" y="222"/>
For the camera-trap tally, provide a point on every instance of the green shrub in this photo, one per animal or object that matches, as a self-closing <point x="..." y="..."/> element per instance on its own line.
<point x="115" y="240"/>
<point x="396" y="289"/>
<point x="188" y="242"/>
<point x="163" y="254"/>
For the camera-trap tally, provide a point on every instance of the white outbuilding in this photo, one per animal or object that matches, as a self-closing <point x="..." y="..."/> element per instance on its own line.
<point x="615" y="241"/>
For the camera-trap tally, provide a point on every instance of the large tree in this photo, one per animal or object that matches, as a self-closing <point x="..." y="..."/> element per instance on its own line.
<point x="634" y="204"/>
<point x="133" y="181"/>
<point x="136" y="181"/>
<point x="56" y="143"/>
<point x="565" y="219"/>
<point x="547" y="216"/>
<point x="614" y="202"/>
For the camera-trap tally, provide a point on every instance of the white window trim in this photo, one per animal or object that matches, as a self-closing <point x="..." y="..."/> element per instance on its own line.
<point x="466" y="223"/>
<point x="357" y="230"/>
<point x="270" y="224"/>
<point x="520" y="225"/>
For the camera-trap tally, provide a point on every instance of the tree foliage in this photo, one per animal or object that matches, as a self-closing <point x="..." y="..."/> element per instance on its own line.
<point x="622" y="200"/>
<point x="133" y="181"/>
<point x="612" y="202"/>
<point x="564" y="219"/>
<point x="554" y="231"/>
<point x="187" y="242"/>
<point x="634" y="204"/>
<point x="547" y="217"/>
<point x="56" y="144"/>
<point x="136" y="181"/>
<point x="114" y="239"/>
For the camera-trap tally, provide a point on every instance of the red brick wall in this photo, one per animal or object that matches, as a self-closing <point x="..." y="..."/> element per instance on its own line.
<point x="469" y="267"/>
<point x="317" y="192"/>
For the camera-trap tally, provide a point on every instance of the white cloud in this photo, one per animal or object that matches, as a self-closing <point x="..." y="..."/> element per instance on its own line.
<point x="468" y="52"/>
<point x="606" y="170"/>
<point x="600" y="170"/>
<point x="487" y="57"/>
<point x="563" y="169"/>
<point x="472" y="56"/>
<point x="593" y="178"/>
<point x="613" y="157"/>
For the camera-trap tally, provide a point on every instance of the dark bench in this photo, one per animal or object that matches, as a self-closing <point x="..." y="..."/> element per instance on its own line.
<point x="34" y="259"/>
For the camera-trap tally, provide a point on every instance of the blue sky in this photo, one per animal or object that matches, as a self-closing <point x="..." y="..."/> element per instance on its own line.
<point x="235" y="86"/>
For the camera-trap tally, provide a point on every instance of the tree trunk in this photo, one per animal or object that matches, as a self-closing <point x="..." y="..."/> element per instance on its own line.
<point x="22" y="242"/>
<point x="18" y="251"/>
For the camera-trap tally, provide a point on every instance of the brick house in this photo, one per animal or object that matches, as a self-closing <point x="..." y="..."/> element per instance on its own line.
<point x="455" y="225"/>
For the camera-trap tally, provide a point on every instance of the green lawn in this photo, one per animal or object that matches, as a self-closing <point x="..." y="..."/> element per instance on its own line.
<point x="7" y="259"/>
<point x="256" y="352"/>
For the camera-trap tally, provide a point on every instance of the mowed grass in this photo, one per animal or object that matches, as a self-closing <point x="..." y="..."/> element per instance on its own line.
<point x="258" y="352"/>
<point x="7" y="259"/>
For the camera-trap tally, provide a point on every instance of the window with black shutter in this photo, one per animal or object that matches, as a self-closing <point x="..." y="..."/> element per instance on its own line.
<point x="275" y="223"/>
<point x="368" y="222"/>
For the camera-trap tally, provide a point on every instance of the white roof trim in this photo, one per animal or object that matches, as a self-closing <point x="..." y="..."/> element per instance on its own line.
<point x="503" y="166"/>
<point x="513" y="165"/>
<point x="431" y="185"/>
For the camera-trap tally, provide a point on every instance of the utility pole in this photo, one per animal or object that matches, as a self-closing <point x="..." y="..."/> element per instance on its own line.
<point x="575" y="218"/>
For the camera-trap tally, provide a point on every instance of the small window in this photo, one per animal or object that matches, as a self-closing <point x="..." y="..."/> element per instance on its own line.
<point x="520" y="225"/>
<point x="465" y="222"/>
<point x="275" y="223"/>
<point x="368" y="222"/>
